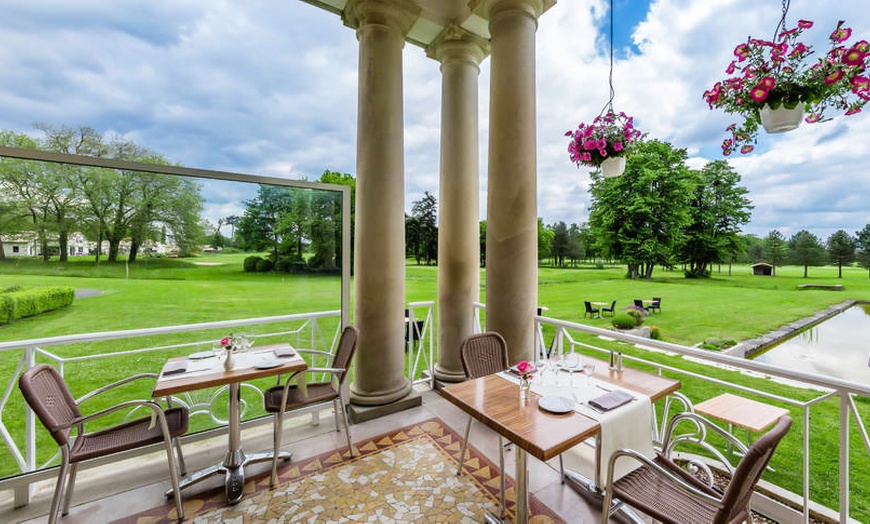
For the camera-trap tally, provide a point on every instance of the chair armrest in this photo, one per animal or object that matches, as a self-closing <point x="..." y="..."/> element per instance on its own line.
<point x="315" y="352"/>
<point x="157" y="412"/>
<point x="662" y="472"/>
<point x="698" y="437"/>
<point x="114" y="385"/>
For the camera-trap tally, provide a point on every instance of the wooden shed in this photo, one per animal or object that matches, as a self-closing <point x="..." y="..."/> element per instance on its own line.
<point x="762" y="268"/>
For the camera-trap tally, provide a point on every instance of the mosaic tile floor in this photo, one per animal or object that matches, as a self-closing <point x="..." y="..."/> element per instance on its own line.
<point x="408" y="475"/>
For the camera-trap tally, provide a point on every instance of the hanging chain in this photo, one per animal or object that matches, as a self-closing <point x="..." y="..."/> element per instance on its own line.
<point x="608" y="107"/>
<point x="781" y="24"/>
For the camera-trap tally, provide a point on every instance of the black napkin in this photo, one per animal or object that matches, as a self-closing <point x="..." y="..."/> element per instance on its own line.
<point x="173" y="368"/>
<point x="284" y="352"/>
<point x="611" y="400"/>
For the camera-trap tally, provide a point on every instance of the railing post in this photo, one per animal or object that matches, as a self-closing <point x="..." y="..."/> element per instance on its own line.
<point x="806" y="461"/>
<point x="430" y="320"/>
<point x="844" y="456"/>
<point x="22" y="493"/>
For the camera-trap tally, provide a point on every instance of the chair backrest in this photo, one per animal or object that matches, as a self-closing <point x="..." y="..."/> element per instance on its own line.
<point x="484" y="354"/>
<point x="612" y="305"/>
<point x="345" y="351"/>
<point x="588" y="306"/>
<point x="49" y="397"/>
<point x="638" y="303"/>
<point x="749" y="470"/>
<point x="656" y="301"/>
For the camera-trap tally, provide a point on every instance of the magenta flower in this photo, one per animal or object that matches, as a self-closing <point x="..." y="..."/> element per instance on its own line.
<point x="609" y="135"/>
<point x="805" y="24"/>
<point x="730" y="68"/>
<point x="747" y="149"/>
<point x="768" y="82"/>
<point x="841" y="34"/>
<point x="853" y="57"/>
<point x="741" y="52"/>
<point x="759" y="93"/>
<point x="813" y="118"/>
<point x="853" y="110"/>
<point x="617" y="146"/>
<point x="834" y="76"/>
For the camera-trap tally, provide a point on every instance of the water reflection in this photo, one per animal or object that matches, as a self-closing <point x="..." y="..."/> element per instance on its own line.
<point x="838" y="347"/>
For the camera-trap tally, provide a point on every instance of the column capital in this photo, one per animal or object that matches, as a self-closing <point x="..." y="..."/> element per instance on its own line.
<point x="489" y="8"/>
<point x="455" y="44"/>
<point x="396" y="14"/>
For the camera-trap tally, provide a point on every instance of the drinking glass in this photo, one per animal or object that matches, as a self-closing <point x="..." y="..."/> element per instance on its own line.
<point x="588" y="369"/>
<point x="572" y="362"/>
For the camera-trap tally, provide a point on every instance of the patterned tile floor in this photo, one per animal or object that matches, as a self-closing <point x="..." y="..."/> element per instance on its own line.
<point x="408" y="475"/>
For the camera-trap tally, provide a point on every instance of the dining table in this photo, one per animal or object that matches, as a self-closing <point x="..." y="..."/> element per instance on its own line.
<point x="200" y="371"/>
<point x="495" y="401"/>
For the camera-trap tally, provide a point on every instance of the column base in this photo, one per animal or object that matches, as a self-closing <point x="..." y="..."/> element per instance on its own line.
<point x="360" y="413"/>
<point x="444" y="375"/>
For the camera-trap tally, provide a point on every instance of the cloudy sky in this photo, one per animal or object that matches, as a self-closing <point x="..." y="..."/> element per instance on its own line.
<point x="270" y="87"/>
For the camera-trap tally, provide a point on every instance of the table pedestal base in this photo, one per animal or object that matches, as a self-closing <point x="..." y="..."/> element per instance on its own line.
<point x="233" y="469"/>
<point x="586" y="488"/>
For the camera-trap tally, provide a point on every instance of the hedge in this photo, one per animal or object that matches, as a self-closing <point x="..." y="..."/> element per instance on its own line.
<point x="20" y="303"/>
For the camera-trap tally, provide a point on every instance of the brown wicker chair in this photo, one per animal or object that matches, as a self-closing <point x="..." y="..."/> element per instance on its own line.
<point x="49" y="397"/>
<point x="483" y="354"/>
<point x="290" y="397"/>
<point x="668" y="493"/>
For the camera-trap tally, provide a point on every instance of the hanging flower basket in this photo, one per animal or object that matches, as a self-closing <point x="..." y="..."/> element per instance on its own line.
<point x="781" y="120"/>
<point x="781" y="75"/>
<point x="606" y="140"/>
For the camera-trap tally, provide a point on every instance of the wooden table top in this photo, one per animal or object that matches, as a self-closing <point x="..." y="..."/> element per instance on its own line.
<point x="742" y="412"/>
<point x="219" y="377"/>
<point x="495" y="402"/>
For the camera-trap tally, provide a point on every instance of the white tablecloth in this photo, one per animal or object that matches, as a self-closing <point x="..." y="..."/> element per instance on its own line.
<point x="626" y="427"/>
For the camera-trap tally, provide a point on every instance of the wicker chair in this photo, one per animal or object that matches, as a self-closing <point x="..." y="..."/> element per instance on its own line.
<point x="591" y="311"/>
<point x="656" y="305"/>
<point x="288" y="397"/>
<point x="484" y="354"/>
<point x="49" y="397"/>
<point x="610" y="309"/>
<point x="668" y="493"/>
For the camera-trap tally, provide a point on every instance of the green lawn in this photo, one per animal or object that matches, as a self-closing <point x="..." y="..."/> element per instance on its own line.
<point x="163" y="292"/>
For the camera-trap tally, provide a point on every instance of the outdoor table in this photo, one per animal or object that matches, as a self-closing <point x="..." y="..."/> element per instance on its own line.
<point x="250" y="365"/>
<point x="495" y="402"/>
<point x="600" y="305"/>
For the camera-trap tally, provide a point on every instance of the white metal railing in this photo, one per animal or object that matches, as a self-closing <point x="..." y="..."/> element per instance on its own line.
<point x="420" y="342"/>
<point x="826" y="387"/>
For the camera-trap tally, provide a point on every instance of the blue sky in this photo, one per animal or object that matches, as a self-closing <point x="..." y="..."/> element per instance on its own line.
<point x="270" y="88"/>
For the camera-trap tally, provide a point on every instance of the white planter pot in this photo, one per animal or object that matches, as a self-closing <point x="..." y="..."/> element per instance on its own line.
<point x="781" y="119"/>
<point x="613" y="166"/>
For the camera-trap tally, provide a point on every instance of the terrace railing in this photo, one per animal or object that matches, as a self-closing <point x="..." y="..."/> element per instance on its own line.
<point x="74" y="355"/>
<point x="568" y="336"/>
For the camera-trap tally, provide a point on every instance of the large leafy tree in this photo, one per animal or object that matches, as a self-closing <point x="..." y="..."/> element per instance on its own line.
<point x="640" y="216"/>
<point x="559" y="245"/>
<point x="718" y="207"/>
<point x="806" y="250"/>
<point x="425" y="211"/>
<point x="576" y="247"/>
<point x="775" y="249"/>
<point x="841" y="250"/>
<point x="545" y="240"/>
<point x="261" y="227"/>
<point x="343" y="179"/>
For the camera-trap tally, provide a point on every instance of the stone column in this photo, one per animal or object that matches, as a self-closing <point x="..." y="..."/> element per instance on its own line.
<point x="379" y="262"/>
<point x="460" y="54"/>
<point x="511" y="240"/>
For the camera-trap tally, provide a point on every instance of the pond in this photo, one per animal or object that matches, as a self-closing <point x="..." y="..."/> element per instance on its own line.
<point x="837" y="347"/>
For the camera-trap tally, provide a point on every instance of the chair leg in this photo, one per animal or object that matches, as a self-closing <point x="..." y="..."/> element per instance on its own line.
<point x="335" y="410"/>
<point x="562" y="468"/>
<point x="340" y="404"/>
<point x="182" y="467"/>
<point x="501" y="477"/>
<point x="173" y="477"/>
<point x="276" y="445"/>
<point x="464" y="444"/>
<point x="73" y="468"/>
<point x="58" y="491"/>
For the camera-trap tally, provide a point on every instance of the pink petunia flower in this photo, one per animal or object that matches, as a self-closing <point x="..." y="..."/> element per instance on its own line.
<point x="813" y="118"/>
<point x="759" y="93"/>
<point x="741" y="52"/>
<point x="617" y="146"/>
<point x="853" y="109"/>
<point x="747" y="149"/>
<point x="834" y="77"/>
<point x="730" y="68"/>
<point x="841" y="34"/>
<point x="853" y="57"/>
<point x="768" y="82"/>
<point x="805" y="24"/>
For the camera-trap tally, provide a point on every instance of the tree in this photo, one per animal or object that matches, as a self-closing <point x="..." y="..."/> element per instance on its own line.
<point x="841" y="249"/>
<point x="342" y="179"/>
<point x="559" y="247"/>
<point x="260" y="227"/>
<point x="482" y="229"/>
<point x="639" y="217"/>
<point x="806" y="250"/>
<point x="545" y="240"/>
<point x="576" y="248"/>
<point x="717" y="208"/>
<point x="232" y="221"/>
<point x="425" y="211"/>
<point x="775" y="249"/>
<point x="862" y="243"/>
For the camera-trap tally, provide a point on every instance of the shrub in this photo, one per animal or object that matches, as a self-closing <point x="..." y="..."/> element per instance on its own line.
<point x="624" y="321"/>
<point x="264" y="265"/>
<point x="637" y="313"/>
<point x="33" y="301"/>
<point x="10" y="289"/>
<point x="655" y="333"/>
<point x="250" y="263"/>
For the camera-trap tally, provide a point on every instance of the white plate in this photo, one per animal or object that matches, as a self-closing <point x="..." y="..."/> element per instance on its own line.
<point x="200" y="354"/>
<point x="555" y="404"/>
<point x="266" y="364"/>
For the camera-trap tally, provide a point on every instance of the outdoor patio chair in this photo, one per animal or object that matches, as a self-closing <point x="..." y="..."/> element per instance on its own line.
<point x="639" y="303"/>
<point x="656" y="305"/>
<point x="668" y="493"/>
<point x="483" y="354"/>
<point x="610" y="309"/>
<point x="289" y="397"/>
<point x="591" y="311"/>
<point x="49" y="397"/>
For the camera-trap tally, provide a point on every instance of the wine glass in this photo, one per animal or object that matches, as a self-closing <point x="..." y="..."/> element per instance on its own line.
<point x="588" y="369"/>
<point x="218" y="349"/>
<point x="572" y="362"/>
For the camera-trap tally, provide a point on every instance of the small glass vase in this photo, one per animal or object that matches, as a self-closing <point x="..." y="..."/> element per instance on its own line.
<point x="525" y="387"/>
